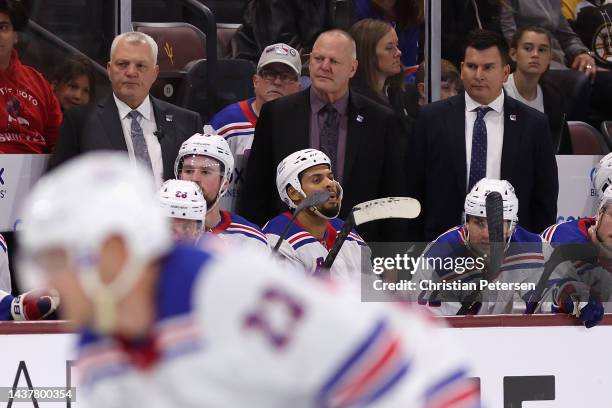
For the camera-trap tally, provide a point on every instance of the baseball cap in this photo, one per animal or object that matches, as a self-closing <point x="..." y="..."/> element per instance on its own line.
<point x="283" y="54"/>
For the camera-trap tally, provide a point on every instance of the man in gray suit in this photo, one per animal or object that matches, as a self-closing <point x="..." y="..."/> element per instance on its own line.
<point x="129" y="119"/>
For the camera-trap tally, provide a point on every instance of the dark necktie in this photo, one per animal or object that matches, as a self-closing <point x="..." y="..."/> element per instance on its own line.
<point x="478" y="162"/>
<point x="138" y="141"/>
<point x="329" y="133"/>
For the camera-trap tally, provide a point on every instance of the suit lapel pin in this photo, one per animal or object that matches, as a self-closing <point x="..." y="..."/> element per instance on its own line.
<point x="359" y="118"/>
<point x="513" y="118"/>
<point x="169" y="118"/>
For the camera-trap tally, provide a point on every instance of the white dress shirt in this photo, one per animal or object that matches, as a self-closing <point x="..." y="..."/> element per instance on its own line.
<point x="512" y="90"/>
<point x="149" y="127"/>
<point x="494" y="121"/>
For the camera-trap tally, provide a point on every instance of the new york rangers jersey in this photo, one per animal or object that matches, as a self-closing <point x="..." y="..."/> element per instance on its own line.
<point x="306" y="252"/>
<point x="238" y="231"/>
<point x="575" y="232"/>
<point x="523" y="263"/>
<point x="579" y="278"/>
<point x="236" y="123"/>
<point x="237" y="331"/>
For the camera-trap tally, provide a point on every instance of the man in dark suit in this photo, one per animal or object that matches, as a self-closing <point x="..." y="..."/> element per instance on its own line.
<point x="150" y="130"/>
<point x="359" y="136"/>
<point x="482" y="133"/>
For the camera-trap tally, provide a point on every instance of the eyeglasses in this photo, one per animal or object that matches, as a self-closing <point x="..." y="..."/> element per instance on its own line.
<point x="285" y="77"/>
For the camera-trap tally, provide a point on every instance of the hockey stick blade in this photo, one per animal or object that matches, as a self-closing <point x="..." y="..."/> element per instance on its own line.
<point x="379" y="209"/>
<point x="495" y="224"/>
<point x="316" y="198"/>
<point x="389" y="207"/>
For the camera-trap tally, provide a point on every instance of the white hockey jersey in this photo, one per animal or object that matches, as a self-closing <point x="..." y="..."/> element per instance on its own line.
<point x="239" y="232"/>
<point x="236" y="123"/>
<point x="301" y="249"/>
<point x="237" y="331"/>
<point x="523" y="264"/>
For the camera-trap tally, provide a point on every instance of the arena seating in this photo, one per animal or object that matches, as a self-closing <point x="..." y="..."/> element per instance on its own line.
<point x="586" y="139"/>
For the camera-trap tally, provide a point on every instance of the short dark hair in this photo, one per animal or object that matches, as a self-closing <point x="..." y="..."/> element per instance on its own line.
<point x="483" y="39"/>
<point x="73" y="67"/>
<point x="16" y="10"/>
<point x="534" y="29"/>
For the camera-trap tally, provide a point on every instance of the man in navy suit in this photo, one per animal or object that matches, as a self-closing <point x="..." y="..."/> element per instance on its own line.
<point x="129" y="119"/>
<point x="360" y="136"/>
<point x="482" y="133"/>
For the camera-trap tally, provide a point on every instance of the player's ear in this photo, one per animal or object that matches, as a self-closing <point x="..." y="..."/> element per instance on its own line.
<point x="294" y="195"/>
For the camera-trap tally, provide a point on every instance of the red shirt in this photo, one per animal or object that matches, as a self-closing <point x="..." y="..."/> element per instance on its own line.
<point x="30" y="115"/>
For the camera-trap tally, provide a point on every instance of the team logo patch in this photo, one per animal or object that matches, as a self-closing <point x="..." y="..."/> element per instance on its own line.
<point x="602" y="44"/>
<point x="169" y="52"/>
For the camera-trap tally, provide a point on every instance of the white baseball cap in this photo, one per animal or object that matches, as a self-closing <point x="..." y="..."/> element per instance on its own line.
<point x="283" y="54"/>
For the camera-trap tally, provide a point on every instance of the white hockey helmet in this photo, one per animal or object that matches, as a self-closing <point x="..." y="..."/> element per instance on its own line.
<point x="603" y="175"/>
<point x="207" y="144"/>
<point x="289" y="169"/>
<point x="605" y="199"/>
<point x="78" y="206"/>
<point x="182" y="199"/>
<point x="476" y="204"/>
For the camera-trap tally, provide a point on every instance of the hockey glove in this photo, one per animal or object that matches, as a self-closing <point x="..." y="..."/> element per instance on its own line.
<point x="34" y="305"/>
<point x="590" y="313"/>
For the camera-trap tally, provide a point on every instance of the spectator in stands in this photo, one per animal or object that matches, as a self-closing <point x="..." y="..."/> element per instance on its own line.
<point x="379" y="74"/>
<point x="405" y="16"/>
<point x="567" y="48"/>
<point x="458" y="18"/>
<point x="129" y="119"/>
<point x="359" y="136"/>
<point x="591" y="20"/>
<point x="74" y="82"/>
<point x="459" y="140"/>
<point x="278" y="73"/>
<point x="450" y="81"/>
<point x="530" y="49"/>
<point x="30" y="115"/>
<point x="293" y="22"/>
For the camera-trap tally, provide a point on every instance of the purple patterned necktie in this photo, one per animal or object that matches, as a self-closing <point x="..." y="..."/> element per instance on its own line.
<point x="138" y="141"/>
<point x="478" y="162"/>
<point x="329" y="133"/>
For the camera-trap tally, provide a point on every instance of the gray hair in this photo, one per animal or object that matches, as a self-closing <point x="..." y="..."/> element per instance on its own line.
<point x="345" y="34"/>
<point x="136" y="37"/>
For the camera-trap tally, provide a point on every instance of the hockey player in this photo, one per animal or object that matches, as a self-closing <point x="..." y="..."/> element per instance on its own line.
<point x="461" y="256"/>
<point x="166" y="326"/>
<point x="602" y="178"/>
<point x="278" y="73"/>
<point x="183" y="203"/>
<point x="207" y="160"/>
<point x="588" y="281"/>
<point x="314" y="231"/>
